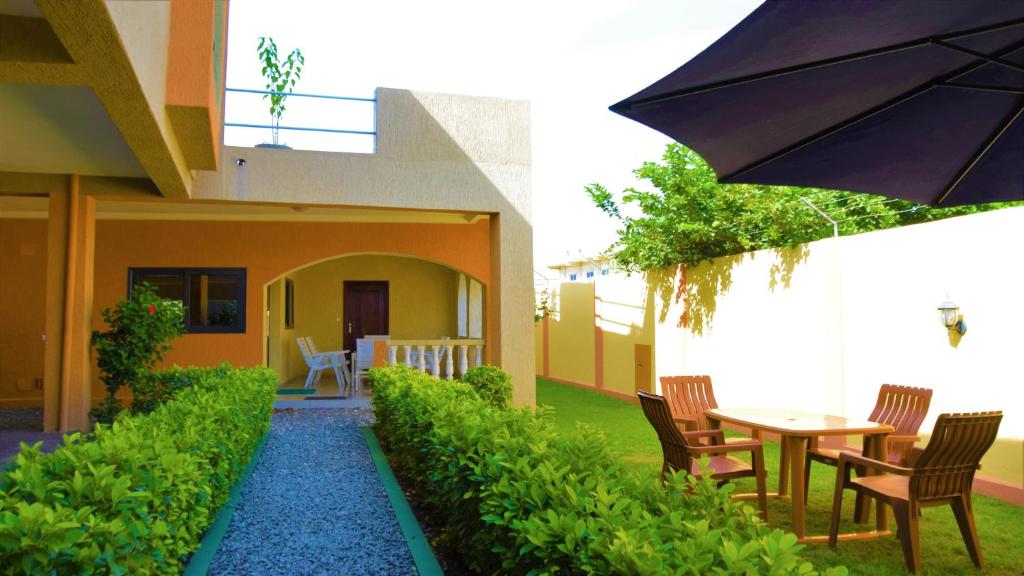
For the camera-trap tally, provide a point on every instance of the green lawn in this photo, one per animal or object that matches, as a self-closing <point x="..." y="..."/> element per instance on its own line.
<point x="1000" y="525"/>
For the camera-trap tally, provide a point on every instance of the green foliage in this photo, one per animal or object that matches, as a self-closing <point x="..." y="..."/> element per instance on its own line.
<point x="518" y="498"/>
<point x="691" y="217"/>
<point x="137" y="496"/>
<point x="543" y="306"/>
<point x="139" y="332"/>
<point x="158" y="386"/>
<point x="493" y="385"/>
<point x="280" y="78"/>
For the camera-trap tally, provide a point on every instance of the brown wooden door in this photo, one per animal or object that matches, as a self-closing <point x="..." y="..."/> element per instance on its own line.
<point x="366" y="310"/>
<point x="642" y="367"/>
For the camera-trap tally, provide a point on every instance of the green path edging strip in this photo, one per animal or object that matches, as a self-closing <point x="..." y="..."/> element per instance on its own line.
<point x="422" y="554"/>
<point x="295" y="391"/>
<point x="199" y="564"/>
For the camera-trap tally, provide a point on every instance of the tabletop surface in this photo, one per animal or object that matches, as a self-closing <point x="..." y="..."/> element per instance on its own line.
<point x="788" y="420"/>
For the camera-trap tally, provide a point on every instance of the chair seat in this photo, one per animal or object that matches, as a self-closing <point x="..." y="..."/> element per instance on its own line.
<point x="723" y="466"/>
<point x="890" y="485"/>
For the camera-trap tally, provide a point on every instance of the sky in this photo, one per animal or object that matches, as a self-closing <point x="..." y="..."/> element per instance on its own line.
<point x="571" y="59"/>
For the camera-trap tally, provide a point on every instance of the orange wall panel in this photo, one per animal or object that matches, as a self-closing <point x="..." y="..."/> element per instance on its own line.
<point x="22" y="310"/>
<point x="266" y="250"/>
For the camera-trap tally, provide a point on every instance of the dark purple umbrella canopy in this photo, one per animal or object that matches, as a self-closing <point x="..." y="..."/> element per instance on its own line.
<point x="914" y="99"/>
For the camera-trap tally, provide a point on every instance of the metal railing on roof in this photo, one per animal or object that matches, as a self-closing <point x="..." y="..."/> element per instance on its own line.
<point x="365" y="120"/>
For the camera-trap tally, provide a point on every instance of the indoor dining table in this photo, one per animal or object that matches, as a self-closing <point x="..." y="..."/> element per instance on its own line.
<point x="797" y="429"/>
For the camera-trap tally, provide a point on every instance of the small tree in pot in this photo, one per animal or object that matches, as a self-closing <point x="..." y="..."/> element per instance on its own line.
<point x="280" y="79"/>
<point x="139" y="332"/>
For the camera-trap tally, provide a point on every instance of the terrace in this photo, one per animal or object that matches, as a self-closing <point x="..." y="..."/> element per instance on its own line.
<point x="141" y="205"/>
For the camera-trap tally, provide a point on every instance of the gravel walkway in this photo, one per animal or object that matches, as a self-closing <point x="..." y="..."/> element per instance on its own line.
<point x="314" y="504"/>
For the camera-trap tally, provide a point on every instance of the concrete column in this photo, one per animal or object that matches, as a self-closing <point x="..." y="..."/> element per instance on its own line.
<point x="71" y="244"/>
<point x="56" y="268"/>
<point x="511" y="305"/>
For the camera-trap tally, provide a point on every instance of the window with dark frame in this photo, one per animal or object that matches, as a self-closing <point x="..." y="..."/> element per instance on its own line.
<point x="289" y="303"/>
<point x="214" y="298"/>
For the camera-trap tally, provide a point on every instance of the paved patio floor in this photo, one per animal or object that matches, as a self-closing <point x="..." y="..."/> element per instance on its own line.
<point x="19" y="425"/>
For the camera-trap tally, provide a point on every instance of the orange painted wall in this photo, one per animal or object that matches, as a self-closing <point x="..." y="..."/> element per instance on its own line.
<point x="22" y="310"/>
<point x="267" y="250"/>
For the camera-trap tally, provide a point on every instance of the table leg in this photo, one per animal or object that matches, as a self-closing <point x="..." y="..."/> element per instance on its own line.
<point x="880" y="446"/>
<point x="862" y="504"/>
<point x="783" y="466"/>
<point x="796" y="450"/>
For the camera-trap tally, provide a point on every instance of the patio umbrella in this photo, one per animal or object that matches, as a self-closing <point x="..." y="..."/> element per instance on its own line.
<point x="914" y="99"/>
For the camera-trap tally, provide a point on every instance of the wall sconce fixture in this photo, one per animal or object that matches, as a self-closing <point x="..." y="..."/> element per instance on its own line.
<point x="949" y="313"/>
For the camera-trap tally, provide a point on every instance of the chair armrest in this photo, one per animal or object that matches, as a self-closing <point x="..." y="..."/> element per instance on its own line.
<point x="720" y="448"/>
<point x="847" y="458"/>
<point x="715" y="435"/>
<point x="687" y="424"/>
<point x="902" y="438"/>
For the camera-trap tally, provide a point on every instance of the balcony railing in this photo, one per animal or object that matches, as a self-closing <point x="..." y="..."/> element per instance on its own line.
<point x="311" y="121"/>
<point x="427" y="355"/>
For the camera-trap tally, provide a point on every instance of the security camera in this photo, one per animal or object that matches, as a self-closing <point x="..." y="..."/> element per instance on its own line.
<point x="240" y="162"/>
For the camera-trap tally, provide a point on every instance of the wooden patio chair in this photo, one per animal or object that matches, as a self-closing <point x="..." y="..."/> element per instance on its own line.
<point x="903" y="408"/>
<point x="688" y="397"/>
<point x="941" y="474"/>
<point x="682" y="449"/>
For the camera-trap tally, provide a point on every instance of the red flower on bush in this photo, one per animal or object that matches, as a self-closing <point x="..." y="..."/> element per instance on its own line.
<point x="152" y="309"/>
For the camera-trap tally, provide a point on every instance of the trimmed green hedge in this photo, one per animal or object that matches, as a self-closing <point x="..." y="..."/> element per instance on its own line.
<point x="135" y="497"/>
<point x="491" y="384"/>
<point x="518" y="498"/>
<point x="156" y="387"/>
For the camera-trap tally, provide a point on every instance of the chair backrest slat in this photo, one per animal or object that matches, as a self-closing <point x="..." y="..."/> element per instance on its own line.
<point x="947" y="465"/>
<point x="673" y="444"/>
<point x="307" y="355"/>
<point x="689" y="397"/>
<point x="904" y="408"/>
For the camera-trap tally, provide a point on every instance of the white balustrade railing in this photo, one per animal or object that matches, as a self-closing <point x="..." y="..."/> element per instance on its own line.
<point x="428" y="355"/>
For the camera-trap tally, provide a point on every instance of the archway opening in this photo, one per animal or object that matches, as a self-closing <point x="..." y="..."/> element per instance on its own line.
<point x="422" y="300"/>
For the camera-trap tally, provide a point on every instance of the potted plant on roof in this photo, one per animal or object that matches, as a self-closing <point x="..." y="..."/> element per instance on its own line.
<point x="280" y="77"/>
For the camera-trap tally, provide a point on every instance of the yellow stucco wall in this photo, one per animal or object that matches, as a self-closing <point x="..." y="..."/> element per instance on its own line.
<point x="423" y="302"/>
<point x="571" y="333"/>
<point x="626" y="319"/>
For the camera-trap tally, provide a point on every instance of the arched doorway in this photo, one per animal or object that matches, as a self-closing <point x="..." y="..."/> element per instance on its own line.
<point x="423" y="299"/>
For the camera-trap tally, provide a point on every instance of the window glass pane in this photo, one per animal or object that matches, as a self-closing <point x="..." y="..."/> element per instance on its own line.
<point x="168" y="285"/>
<point x="214" y="300"/>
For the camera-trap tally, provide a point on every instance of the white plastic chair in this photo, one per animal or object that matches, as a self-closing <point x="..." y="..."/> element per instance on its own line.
<point x="364" y="358"/>
<point x="318" y="362"/>
<point x="339" y="358"/>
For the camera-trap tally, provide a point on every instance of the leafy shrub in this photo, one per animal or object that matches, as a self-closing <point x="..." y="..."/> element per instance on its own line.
<point x="139" y="332"/>
<point x="518" y="498"/>
<point x="156" y="387"/>
<point x="492" y="384"/>
<point x="136" y="497"/>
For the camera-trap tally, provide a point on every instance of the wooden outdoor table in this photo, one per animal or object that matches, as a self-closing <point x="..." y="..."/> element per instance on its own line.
<point x="797" y="429"/>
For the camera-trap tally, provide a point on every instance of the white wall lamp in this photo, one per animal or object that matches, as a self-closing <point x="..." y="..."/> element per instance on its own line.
<point x="949" y="313"/>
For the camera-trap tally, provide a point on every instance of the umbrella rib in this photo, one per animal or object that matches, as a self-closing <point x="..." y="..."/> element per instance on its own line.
<point x="980" y="153"/>
<point x="909" y="45"/>
<point x="983" y="88"/>
<point x="856" y="119"/>
<point x="981" y="55"/>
